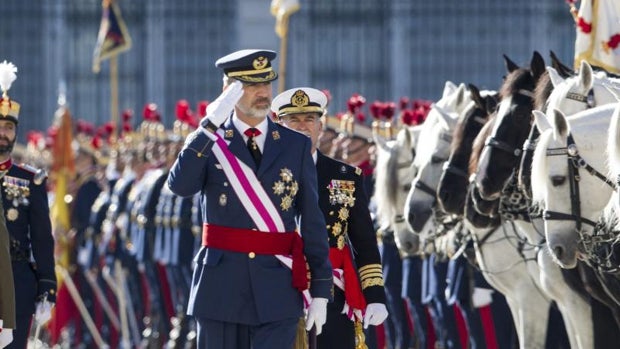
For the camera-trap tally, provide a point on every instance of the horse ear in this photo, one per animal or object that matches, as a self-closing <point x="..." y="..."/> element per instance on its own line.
<point x="537" y="65"/>
<point x="510" y="65"/>
<point x="560" y="124"/>
<point x="562" y="69"/>
<point x="448" y="88"/>
<point x="475" y="96"/>
<point x="586" y="75"/>
<point x="556" y="79"/>
<point x="541" y="121"/>
<point x="459" y="95"/>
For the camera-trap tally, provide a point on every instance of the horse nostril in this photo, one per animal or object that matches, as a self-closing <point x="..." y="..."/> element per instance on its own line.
<point x="558" y="251"/>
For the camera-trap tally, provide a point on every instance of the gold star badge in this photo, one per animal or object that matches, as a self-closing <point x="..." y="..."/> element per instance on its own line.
<point x="275" y="135"/>
<point x="228" y="134"/>
<point x="287" y="201"/>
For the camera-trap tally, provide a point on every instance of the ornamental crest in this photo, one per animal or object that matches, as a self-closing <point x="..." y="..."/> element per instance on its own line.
<point x="300" y="98"/>
<point x="260" y="63"/>
<point x="286" y="188"/>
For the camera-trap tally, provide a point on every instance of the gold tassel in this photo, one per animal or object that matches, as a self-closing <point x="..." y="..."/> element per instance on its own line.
<point x="360" y="337"/>
<point x="301" y="339"/>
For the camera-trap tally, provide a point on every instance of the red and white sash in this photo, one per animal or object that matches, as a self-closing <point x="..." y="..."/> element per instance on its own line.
<point x="260" y="207"/>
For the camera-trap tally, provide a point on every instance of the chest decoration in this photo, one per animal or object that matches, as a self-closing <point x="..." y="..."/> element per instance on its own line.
<point x="17" y="191"/>
<point x="286" y="188"/>
<point x="342" y="194"/>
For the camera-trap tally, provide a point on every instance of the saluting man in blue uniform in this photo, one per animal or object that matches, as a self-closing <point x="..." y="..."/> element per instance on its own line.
<point x="24" y="198"/>
<point x="360" y="298"/>
<point x="262" y="222"/>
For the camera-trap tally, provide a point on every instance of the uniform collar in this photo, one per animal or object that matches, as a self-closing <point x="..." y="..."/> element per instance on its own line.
<point x="263" y="127"/>
<point x="6" y="165"/>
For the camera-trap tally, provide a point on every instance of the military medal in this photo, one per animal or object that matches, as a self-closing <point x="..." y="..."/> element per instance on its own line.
<point x="228" y="134"/>
<point x="275" y="135"/>
<point x="12" y="214"/>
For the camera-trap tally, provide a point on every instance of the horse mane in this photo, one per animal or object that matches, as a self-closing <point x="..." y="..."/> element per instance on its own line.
<point x="543" y="90"/>
<point x="479" y="143"/>
<point x="515" y="81"/>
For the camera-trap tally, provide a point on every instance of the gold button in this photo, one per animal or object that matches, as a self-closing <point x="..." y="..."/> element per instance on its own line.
<point x="251" y="254"/>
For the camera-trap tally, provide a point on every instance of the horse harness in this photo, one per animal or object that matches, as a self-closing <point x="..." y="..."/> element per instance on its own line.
<point x="598" y="247"/>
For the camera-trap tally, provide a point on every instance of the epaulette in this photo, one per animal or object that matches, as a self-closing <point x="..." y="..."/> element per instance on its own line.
<point x="39" y="174"/>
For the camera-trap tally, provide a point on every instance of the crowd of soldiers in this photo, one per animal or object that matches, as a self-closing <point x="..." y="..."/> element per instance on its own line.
<point x="123" y="216"/>
<point x="125" y="263"/>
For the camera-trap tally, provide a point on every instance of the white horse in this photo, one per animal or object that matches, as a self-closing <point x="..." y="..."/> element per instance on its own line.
<point x="583" y="91"/>
<point x="393" y="177"/>
<point x="573" y="200"/>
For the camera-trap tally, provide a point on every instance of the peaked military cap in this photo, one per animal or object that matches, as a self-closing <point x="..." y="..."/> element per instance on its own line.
<point x="299" y="100"/>
<point x="251" y="66"/>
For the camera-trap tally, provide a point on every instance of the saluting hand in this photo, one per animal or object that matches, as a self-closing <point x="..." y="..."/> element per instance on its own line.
<point x="222" y="106"/>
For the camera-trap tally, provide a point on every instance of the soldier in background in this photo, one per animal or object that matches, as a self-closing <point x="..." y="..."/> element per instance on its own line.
<point x="353" y="245"/>
<point x="7" y="289"/>
<point x="26" y="209"/>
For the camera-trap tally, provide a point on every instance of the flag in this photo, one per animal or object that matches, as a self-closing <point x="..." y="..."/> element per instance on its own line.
<point x="282" y="10"/>
<point x="63" y="167"/>
<point x="113" y="37"/>
<point x="598" y="34"/>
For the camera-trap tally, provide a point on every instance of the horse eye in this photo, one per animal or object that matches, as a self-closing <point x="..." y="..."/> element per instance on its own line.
<point x="558" y="180"/>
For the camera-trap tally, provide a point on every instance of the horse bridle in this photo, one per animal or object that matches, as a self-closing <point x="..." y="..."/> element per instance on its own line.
<point x="500" y="144"/>
<point x="445" y="136"/>
<point x="588" y="99"/>
<point x="575" y="162"/>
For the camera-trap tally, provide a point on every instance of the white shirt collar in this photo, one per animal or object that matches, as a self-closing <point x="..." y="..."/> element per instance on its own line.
<point x="315" y="156"/>
<point x="263" y="127"/>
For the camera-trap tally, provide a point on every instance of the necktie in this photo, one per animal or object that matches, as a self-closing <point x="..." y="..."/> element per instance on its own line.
<point x="252" y="146"/>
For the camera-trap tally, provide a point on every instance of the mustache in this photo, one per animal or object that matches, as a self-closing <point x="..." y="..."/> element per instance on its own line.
<point x="263" y="100"/>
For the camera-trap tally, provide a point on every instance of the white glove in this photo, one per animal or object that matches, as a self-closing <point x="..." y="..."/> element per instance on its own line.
<point x="6" y="336"/>
<point x="220" y="108"/>
<point x="43" y="312"/>
<point x="482" y="297"/>
<point x="376" y="313"/>
<point x="317" y="314"/>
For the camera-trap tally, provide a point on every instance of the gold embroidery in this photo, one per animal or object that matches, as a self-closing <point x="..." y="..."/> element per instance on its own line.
<point x="372" y="282"/>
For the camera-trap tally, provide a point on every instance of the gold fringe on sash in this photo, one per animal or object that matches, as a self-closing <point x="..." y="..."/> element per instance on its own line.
<point x="301" y="339"/>
<point x="360" y="337"/>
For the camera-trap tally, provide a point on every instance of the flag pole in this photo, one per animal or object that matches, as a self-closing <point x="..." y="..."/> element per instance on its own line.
<point x="114" y="96"/>
<point x="283" y="50"/>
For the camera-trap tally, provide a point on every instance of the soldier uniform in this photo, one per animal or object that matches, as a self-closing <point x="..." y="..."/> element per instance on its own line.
<point x="26" y="209"/>
<point x="242" y="291"/>
<point x="344" y="204"/>
<point x="7" y="289"/>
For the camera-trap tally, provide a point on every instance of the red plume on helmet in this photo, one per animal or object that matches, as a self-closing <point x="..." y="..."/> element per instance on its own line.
<point x="388" y="110"/>
<point x="376" y="109"/>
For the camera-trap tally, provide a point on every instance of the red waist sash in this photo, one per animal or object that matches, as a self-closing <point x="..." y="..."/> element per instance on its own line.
<point x="267" y="243"/>
<point x="342" y="259"/>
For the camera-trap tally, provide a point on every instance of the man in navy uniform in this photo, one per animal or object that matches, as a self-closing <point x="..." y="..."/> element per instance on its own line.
<point x="352" y="240"/>
<point x="262" y="222"/>
<point x="24" y="198"/>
